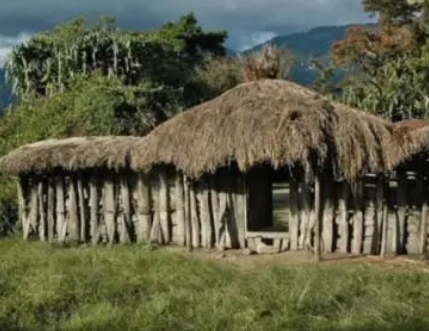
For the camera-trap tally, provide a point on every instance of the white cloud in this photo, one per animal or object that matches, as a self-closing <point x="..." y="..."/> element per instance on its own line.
<point x="7" y="44"/>
<point x="254" y="39"/>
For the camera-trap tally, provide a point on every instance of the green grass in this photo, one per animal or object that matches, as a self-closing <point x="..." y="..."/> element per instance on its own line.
<point x="129" y="288"/>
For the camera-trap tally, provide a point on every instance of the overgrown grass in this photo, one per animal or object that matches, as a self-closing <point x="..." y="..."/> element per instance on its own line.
<point x="129" y="288"/>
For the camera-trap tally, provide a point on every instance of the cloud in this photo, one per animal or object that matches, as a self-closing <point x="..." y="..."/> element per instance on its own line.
<point x="247" y="21"/>
<point x="7" y="44"/>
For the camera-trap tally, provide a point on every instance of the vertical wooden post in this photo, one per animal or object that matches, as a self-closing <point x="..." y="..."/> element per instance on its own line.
<point x="83" y="226"/>
<point x="180" y="208"/>
<point x="195" y="221"/>
<point x="319" y="218"/>
<point x="294" y="214"/>
<point x="402" y="207"/>
<point x="424" y="208"/>
<point x="42" y="209"/>
<point x="110" y="208"/>
<point x="51" y="210"/>
<point x="34" y="209"/>
<point x="204" y="203"/>
<point x="305" y="230"/>
<point x="240" y="207"/>
<point x="164" y="207"/>
<point x="343" y="216"/>
<point x="61" y="210"/>
<point x="22" y="203"/>
<point x="93" y="202"/>
<point x="358" y="219"/>
<point x="215" y="206"/>
<point x="144" y="209"/>
<point x="188" y="214"/>
<point x="327" y="210"/>
<point x="125" y="235"/>
<point x="73" y="213"/>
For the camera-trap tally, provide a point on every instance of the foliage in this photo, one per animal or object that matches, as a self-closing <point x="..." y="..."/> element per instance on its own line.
<point x="387" y="66"/>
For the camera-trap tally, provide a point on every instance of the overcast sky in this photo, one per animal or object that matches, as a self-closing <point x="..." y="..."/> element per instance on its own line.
<point x="248" y="22"/>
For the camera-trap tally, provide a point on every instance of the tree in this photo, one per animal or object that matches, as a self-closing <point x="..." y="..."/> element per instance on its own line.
<point x="385" y="64"/>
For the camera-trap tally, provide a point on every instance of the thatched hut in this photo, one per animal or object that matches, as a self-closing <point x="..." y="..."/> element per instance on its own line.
<point x="214" y="174"/>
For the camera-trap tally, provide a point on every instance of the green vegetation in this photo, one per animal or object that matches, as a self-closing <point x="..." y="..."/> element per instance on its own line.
<point x="129" y="288"/>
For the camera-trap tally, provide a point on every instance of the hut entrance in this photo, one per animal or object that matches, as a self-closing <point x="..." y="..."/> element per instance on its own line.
<point x="268" y="204"/>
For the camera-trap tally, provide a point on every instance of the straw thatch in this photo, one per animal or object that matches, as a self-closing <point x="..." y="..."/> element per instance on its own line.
<point x="68" y="154"/>
<point x="417" y="133"/>
<point x="271" y="121"/>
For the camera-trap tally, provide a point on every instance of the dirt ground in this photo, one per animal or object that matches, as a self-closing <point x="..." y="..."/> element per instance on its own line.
<point x="239" y="259"/>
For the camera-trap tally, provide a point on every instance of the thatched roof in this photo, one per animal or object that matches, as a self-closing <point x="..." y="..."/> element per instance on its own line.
<point x="417" y="133"/>
<point x="271" y="121"/>
<point x="68" y="154"/>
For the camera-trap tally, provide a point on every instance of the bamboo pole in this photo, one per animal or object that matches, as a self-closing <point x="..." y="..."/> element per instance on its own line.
<point x="60" y="208"/>
<point x="125" y="235"/>
<point x="180" y="208"/>
<point x="319" y="218"/>
<point x="164" y="216"/>
<point x="42" y="210"/>
<point x="51" y="210"/>
<point x="94" y="204"/>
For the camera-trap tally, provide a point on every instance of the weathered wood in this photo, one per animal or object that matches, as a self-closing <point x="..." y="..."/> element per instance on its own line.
<point x="33" y="216"/>
<point x="110" y="209"/>
<point x="402" y="208"/>
<point x="423" y="215"/>
<point x="294" y="214"/>
<point x="164" y="216"/>
<point x="204" y="203"/>
<point x="188" y="215"/>
<point x="215" y="206"/>
<point x="319" y="218"/>
<point x="305" y="226"/>
<point x="42" y="210"/>
<point x="327" y="210"/>
<point x="267" y="235"/>
<point x="240" y="210"/>
<point x="358" y="219"/>
<point x="73" y="212"/>
<point x="83" y="223"/>
<point x="126" y="229"/>
<point x="144" y="208"/>
<point x="51" y="210"/>
<point x="195" y="221"/>
<point x="60" y="209"/>
<point x="180" y="208"/>
<point x="384" y="234"/>
<point x="343" y="217"/>
<point x="378" y="220"/>
<point x="221" y="220"/>
<point x="94" y="204"/>
<point x="22" y="206"/>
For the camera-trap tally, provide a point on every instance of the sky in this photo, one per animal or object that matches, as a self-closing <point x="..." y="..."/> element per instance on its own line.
<point x="248" y="22"/>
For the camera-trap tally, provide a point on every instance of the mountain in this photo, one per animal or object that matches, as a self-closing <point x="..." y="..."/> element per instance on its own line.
<point x="307" y="46"/>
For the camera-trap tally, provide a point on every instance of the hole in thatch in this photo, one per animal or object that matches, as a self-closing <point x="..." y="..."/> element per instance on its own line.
<point x="294" y="115"/>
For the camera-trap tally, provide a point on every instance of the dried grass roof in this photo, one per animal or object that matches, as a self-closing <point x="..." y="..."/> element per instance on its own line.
<point x="417" y="136"/>
<point x="68" y="154"/>
<point x="273" y="121"/>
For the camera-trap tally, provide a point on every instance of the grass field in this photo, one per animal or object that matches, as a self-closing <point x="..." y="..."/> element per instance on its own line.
<point x="130" y="288"/>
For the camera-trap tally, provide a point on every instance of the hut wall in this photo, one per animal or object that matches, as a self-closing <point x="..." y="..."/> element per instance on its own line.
<point x="120" y="207"/>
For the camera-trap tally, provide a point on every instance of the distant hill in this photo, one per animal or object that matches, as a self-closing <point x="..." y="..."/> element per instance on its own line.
<point x="307" y="46"/>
